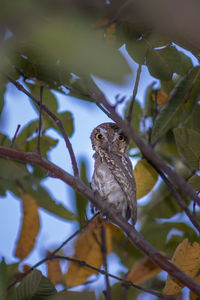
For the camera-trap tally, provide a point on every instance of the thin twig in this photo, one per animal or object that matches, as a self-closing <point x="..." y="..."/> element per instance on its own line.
<point x="53" y="116"/>
<point x="48" y="257"/>
<point x="104" y="255"/>
<point x="103" y="109"/>
<point x="125" y="282"/>
<point x="129" y="116"/>
<point x="79" y="186"/>
<point x="15" y="135"/>
<point x="40" y="121"/>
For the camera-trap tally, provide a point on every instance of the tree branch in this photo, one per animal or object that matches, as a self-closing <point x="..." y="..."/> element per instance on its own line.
<point x="129" y="115"/>
<point x="98" y="97"/>
<point x="53" y="116"/>
<point x="125" y="282"/>
<point x="15" y="135"/>
<point x="135" y="237"/>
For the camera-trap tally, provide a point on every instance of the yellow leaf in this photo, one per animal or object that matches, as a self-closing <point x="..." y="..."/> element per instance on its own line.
<point x="54" y="271"/>
<point x="161" y="98"/>
<point x="143" y="271"/>
<point x="187" y="258"/>
<point x="30" y="226"/>
<point x="193" y="296"/>
<point x="88" y="249"/>
<point x="145" y="178"/>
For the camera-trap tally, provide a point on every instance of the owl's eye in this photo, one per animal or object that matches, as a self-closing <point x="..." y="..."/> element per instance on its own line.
<point x="98" y="136"/>
<point x="121" y="138"/>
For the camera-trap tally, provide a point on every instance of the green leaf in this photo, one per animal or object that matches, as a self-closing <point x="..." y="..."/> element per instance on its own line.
<point x="48" y="98"/>
<point x="70" y="295"/>
<point x="3" y="275"/>
<point x="81" y="202"/>
<point x="12" y="170"/>
<point x="97" y="57"/>
<point x="34" y="287"/>
<point x="188" y="144"/>
<point x="162" y="204"/>
<point x="2" y="92"/>
<point x="26" y="132"/>
<point x="4" y="140"/>
<point x="45" y="201"/>
<point x="162" y="63"/>
<point x="46" y="143"/>
<point x="194" y="181"/>
<point x="136" y="114"/>
<point x="170" y="113"/>
<point x="67" y="121"/>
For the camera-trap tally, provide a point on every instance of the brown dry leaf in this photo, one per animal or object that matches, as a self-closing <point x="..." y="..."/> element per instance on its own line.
<point x="187" y="258"/>
<point x="193" y="296"/>
<point x="87" y="249"/>
<point x="145" y="178"/>
<point x="161" y="98"/>
<point x="142" y="271"/>
<point x="30" y="226"/>
<point x="54" y="270"/>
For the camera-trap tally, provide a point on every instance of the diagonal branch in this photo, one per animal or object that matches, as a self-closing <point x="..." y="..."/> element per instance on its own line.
<point x="135" y="237"/>
<point x="53" y="116"/>
<point x="98" y="97"/>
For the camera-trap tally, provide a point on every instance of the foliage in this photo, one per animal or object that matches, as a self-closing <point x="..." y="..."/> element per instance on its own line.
<point x="57" y="46"/>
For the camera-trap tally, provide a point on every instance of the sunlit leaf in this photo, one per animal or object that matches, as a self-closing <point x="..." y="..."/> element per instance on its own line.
<point x="145" y="178"/>
<point x="142" y="271"/>
<point x="187" y="258"/>
<point x="88" y="249"/>
<point x="54" y="271"/>
<point x="188" y="144"/>
<point x="29" y="228"/>
<point x="170" y="113"/>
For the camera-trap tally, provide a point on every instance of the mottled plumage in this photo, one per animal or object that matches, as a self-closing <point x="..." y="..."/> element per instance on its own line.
<point x="113" y="177"/>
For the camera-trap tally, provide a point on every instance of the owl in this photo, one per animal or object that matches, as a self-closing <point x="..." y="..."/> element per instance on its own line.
<point x="113" y="177"/>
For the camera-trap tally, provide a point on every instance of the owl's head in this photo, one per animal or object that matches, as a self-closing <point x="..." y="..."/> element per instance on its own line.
<point x="109" y="137"/>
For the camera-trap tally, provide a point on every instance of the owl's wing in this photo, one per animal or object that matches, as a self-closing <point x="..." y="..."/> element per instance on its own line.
<point x="121" y="169"/>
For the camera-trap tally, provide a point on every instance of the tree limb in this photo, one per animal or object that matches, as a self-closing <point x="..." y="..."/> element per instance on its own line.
<point x="135" y="237"/>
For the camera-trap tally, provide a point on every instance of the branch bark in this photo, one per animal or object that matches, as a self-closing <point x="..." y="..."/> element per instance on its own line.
<point x="135" y="237"/>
